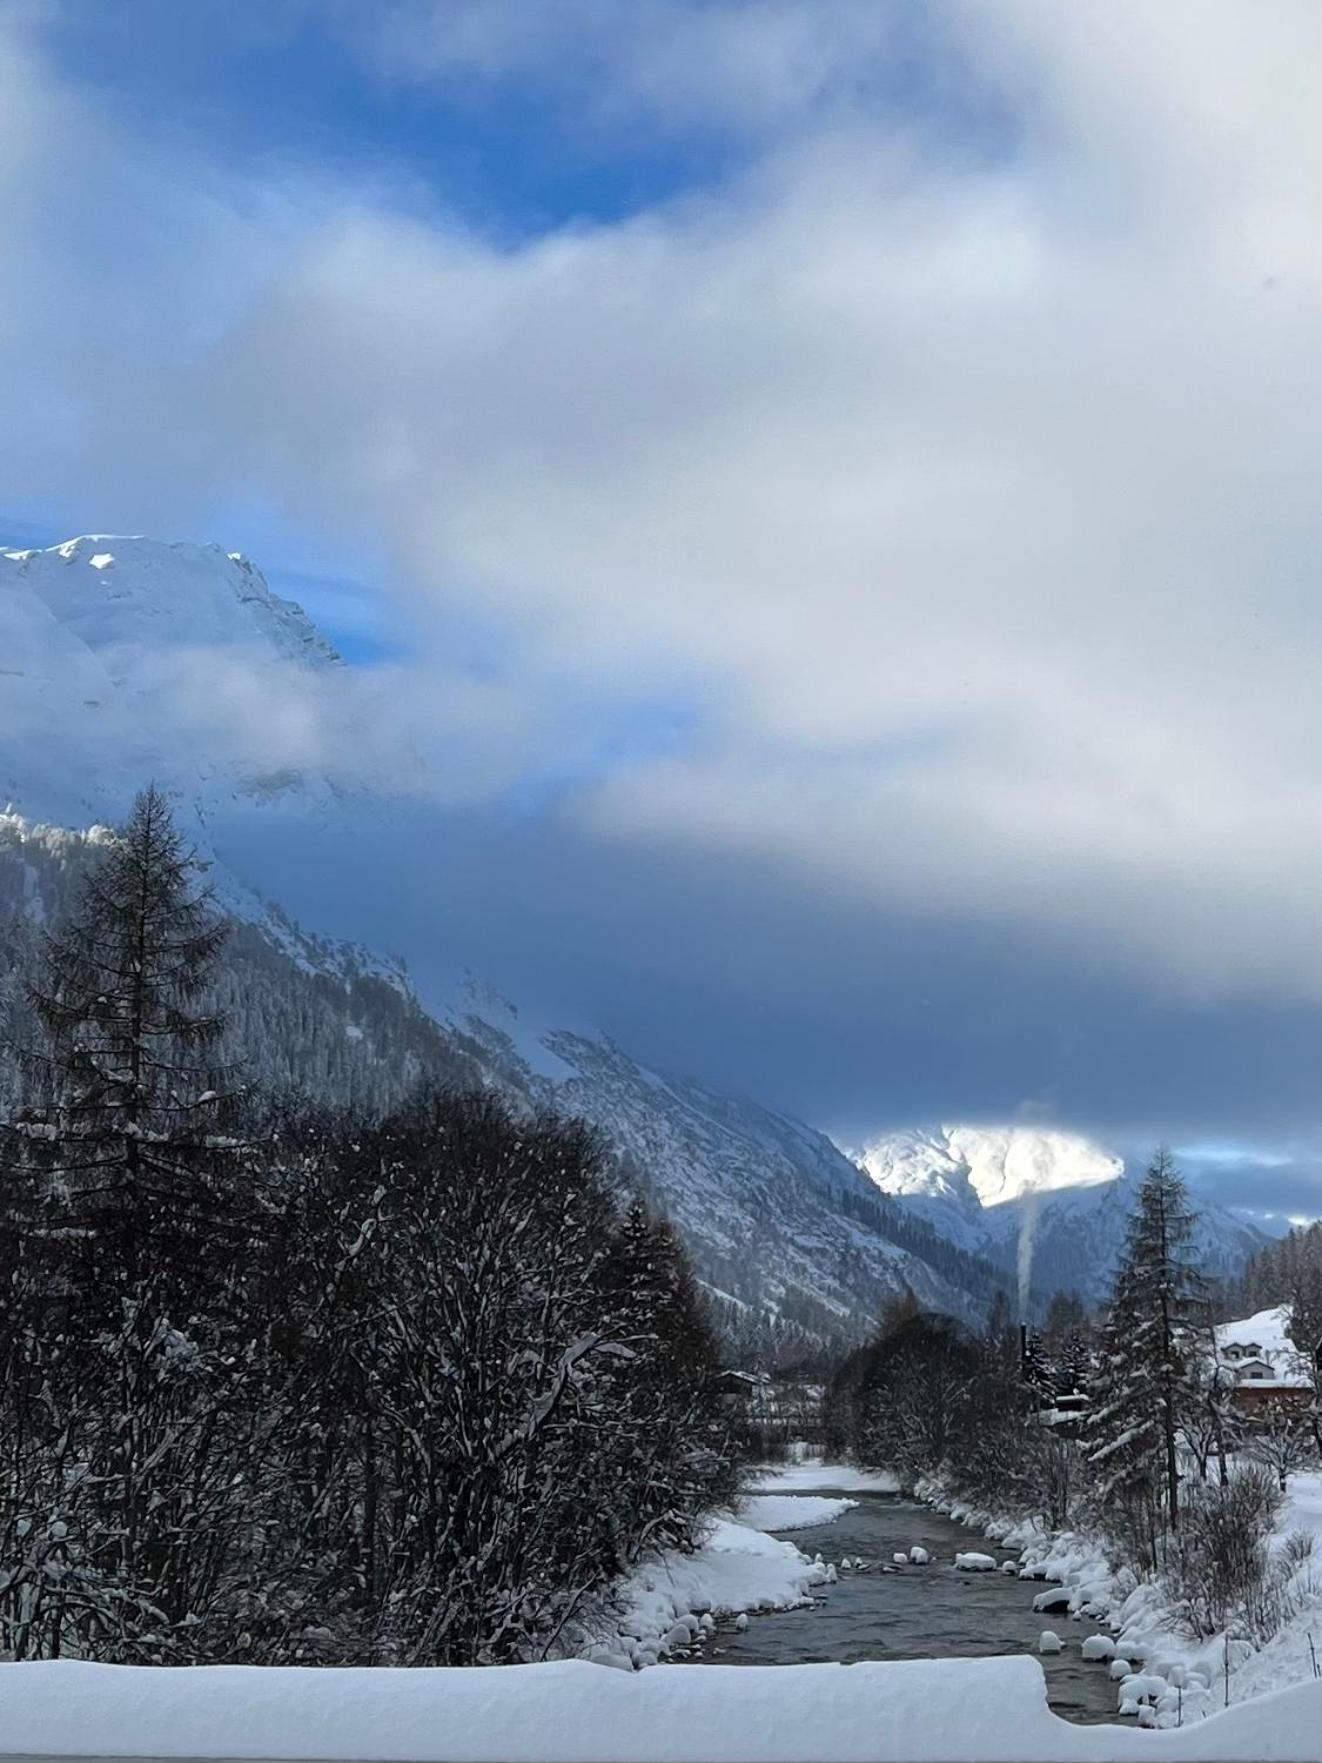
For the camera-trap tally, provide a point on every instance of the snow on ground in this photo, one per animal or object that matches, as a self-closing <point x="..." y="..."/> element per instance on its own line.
<point x="1288" y="1657"/>
<point x="925" y="1711"/>
<point x="789" y="1478"/>
<point x="1182" y="1681"/>
<point x="791" y="1511"/>
<point x="669" y="1603"/>
<point x="1303" y="1508"/>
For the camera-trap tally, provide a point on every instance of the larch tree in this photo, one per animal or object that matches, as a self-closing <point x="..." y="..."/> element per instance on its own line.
<point x="131" y="1201"/>
<point x="127" y="1110"/>
<point x="1143" y="1382"/>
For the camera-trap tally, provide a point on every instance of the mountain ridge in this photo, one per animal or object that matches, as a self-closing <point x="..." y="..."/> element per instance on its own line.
<point x="776" y="1219"/>
<point x="112" y="639"/>
<point x="1048" y="1205"/>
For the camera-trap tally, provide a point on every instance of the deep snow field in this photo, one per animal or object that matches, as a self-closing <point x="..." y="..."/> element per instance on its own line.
<point x="910" y="1711"/>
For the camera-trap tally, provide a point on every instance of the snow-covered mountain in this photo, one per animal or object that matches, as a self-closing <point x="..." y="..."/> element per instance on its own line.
<point x="127" y="659"/>
<point x="776" y="1216"/>
<point x="124" y="658"/>
<point x="954" y="1174"/>
<point x="1050" y="1206"/>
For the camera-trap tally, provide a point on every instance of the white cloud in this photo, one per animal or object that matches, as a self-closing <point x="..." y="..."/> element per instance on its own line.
<point x="981" y="503"/>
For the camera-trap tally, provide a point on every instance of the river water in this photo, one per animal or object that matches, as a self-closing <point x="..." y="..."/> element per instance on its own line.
<point x="932" y="1612"/>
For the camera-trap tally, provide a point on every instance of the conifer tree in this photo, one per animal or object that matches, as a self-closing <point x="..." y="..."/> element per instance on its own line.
<point x="1036" y="1370"/>
<point x="1143" y="1382"/>
<point x="126" y="1113"/>
<point x="1075" y="1366"/>
<point x="130" y="1201"/>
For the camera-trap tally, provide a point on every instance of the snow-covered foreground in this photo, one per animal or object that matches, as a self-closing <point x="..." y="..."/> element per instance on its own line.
<point x="951" y="1710"/>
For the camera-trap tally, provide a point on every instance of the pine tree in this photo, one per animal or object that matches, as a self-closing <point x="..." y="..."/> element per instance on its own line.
<point x="1143" y="1384"/>
<point x="1075" y="1366"/>
<point x="1036" y="1370"/>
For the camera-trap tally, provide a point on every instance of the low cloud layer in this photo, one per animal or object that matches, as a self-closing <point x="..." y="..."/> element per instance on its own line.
<point x="958" y="475"/>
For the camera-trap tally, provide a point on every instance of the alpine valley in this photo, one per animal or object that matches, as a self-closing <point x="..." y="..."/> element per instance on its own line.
<point x="117" y="657"/>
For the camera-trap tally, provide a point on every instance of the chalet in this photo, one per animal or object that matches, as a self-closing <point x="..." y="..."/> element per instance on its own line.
<point x="737" y="1389"/>
<point x="1267" y="1378"/>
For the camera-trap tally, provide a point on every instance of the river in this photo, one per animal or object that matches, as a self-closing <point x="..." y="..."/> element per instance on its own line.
<point x="931" y="1612"/>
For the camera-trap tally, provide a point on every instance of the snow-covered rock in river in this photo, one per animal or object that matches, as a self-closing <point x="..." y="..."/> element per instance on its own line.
<point x="1141" y="1686"/>
<point x="1050" y="1642"/>
<point x="970" y="1561"/>
<point x="1058" y="1598"/>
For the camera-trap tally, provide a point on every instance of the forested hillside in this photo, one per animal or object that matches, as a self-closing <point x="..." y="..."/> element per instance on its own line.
<point x="785" y="1233"/>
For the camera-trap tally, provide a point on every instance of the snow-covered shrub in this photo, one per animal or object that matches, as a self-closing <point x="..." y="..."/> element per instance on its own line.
<point x="1219" y="1569"/>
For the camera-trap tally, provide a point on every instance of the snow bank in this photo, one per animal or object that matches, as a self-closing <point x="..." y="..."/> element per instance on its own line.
<point x="1288" y="1656"/>
<point x="951" y="1710"/>
<point x="790" y="1511"/>
<point x="813" y="1475"/>
<point x="659" y="1609"/>
<point x="1184" y="1679"/>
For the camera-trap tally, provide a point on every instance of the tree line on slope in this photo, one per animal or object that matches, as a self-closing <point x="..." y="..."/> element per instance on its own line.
<point x="313" y="1016"/>
<point x="1157" y="1458"/>
<point x="322" y="1026"/>
<point x="280" y="1387"/>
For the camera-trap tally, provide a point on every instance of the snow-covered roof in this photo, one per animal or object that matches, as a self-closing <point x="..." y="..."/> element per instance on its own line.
<point x="1259" y="1350"/>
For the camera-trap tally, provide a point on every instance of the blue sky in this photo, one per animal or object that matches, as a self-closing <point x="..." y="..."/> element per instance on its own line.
<point x="830" y="485"/>
<point x="261" y="85"/>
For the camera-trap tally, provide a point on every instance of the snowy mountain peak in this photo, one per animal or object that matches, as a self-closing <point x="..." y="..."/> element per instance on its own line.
<point x="123" y="659"/>
<point x="980" y="1166"/>
<point x="120" y="596"/>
